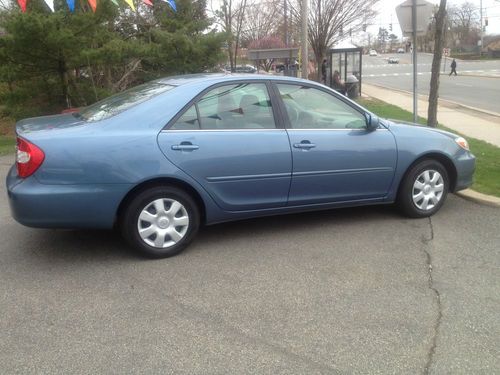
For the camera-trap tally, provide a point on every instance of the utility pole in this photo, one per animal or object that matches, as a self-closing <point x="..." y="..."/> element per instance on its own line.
<point x="285" y="22"/>
<point x="481" y="17"/>
<point x="414" y="42"/>
<point x="304" y="52"/>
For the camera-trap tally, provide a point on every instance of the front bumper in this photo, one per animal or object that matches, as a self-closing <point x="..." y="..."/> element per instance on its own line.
<point x="63" y="206"/>
<point x="466" y="165"/>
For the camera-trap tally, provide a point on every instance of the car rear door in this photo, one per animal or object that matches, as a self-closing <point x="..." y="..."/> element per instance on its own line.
<point x="335" y="157"/>
<point x="229" y="141"/>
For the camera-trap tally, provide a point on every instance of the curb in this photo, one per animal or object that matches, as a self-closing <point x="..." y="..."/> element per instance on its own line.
<point x="480" y="198"/>
<point x="471" y="75"/>
<point x="443" y="101"/>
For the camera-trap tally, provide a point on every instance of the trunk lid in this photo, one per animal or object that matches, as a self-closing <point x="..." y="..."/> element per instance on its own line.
<point x="47" y="123"/>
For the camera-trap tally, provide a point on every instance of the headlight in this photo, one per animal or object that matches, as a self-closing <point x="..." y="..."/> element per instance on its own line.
<point x="462" y="142"/>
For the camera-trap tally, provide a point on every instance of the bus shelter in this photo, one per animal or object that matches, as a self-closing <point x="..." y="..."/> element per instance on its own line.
<point x="344" y="69"/>
<point x="288" y="55"/>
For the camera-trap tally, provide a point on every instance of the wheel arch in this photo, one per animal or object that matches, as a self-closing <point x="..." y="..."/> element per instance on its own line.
<point x="443" y="159"/>
<point x="162" y="181"/>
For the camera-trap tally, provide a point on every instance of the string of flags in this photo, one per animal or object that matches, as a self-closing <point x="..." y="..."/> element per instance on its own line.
<point x="93" y="4"/>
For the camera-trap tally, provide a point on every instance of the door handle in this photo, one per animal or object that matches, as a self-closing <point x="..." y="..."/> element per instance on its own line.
<point x="185" y="146"/>
<point x="305" y="145"/>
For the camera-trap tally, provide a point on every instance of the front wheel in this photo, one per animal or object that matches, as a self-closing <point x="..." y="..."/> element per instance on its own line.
<point x="160" y="222"/>
<point x="424" y="189"/>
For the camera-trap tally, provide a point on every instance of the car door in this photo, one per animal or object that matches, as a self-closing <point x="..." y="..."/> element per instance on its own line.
<point x="228" y="140"/>
<point x="335" y="157"/>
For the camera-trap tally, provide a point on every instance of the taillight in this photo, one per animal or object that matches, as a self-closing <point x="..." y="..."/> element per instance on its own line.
<point x="28" y="158"/>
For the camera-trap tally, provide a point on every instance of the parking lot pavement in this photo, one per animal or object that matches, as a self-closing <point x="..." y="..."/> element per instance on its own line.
<point x="346" y="291"/>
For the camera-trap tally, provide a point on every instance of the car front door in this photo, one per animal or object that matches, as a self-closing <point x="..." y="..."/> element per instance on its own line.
<point x="228" y="141"/>
<point x="335" y="157"/>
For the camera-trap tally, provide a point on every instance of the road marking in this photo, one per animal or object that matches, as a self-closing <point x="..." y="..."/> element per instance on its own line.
<point x="478" y="72"/>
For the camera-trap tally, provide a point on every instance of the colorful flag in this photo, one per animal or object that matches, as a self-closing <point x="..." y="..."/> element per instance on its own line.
<point x="50" y="4"/>
<point x="22" y="4"/>
<point x="93" y="4"/>
<point x="148" y="2"/>
<point x="131" y="4"/>
<point x="172" y="4"/>
<point x="71" y="5"/>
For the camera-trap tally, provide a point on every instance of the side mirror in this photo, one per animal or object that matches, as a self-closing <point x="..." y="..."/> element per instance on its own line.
<point x="372" y="122"/>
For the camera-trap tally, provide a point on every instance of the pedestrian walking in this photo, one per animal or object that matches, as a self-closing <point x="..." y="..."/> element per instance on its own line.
<point x="453" y="67"/>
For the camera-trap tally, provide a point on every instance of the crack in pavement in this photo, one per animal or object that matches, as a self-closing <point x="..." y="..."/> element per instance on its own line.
<point x="437" y="324"/>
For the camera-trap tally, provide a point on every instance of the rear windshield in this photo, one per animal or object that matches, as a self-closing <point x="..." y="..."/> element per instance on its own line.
<point x="120" y="102"/>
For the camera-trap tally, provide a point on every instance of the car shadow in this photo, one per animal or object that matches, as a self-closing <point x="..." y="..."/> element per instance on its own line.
<point x="108" y="245"/>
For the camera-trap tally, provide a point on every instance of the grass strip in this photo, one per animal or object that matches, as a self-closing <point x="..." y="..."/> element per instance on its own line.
<point x="7" y="145"/>
<point x="487" y="175"/>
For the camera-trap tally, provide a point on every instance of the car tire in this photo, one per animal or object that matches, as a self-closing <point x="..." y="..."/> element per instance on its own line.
<point x="160" y="221"/>
<point x="424" y="189"/>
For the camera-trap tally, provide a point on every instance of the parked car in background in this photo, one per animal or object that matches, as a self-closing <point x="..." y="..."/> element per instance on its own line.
<point x="393" y="60"/>
<point x="163" y="158"/>
<point x="241" y="69"/>
<point x="373" y="52"/>
<point x="401" y="50"/>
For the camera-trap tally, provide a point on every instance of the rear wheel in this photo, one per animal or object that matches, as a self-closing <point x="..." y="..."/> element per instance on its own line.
<point x="161" y="221"/>
<point x="424" y="189"/>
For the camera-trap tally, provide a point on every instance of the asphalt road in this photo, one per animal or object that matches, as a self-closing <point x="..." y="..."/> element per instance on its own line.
<point x="347" y="291"/>
<point x="479" y="91"/>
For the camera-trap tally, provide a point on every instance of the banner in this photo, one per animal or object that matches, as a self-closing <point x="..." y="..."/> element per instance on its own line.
<point x="131" y="4"/>
<point x="22" y="4"/>
<point x="50" y="4"/>
<point x="71" y="5"/>
<point x="172" y="4"/>
<point x="92" y="4"/>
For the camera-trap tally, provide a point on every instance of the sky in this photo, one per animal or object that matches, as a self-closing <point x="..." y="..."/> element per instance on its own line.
<point x="387" y="14"/>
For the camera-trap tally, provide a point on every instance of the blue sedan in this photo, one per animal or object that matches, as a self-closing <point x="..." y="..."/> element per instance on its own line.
<point x="166" y="157"/>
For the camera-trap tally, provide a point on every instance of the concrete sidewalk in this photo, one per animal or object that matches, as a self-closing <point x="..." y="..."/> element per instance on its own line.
<point x="468" y="121"/>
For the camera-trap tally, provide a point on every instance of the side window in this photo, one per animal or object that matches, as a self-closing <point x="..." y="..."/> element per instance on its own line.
<point x="188" y="121"/>
<point x="238" y="106"/>
<point x="310" y="108"/>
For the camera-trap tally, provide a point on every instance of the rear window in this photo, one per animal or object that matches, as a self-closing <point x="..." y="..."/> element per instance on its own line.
<point x="122" y="101"/>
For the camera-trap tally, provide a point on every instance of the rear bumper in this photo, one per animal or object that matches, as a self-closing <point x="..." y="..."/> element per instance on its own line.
<point x="466" y="165"/>
<point x="63" y="206"/>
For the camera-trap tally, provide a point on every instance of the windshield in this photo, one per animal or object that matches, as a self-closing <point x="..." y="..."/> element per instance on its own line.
<point x="121" y="101"/>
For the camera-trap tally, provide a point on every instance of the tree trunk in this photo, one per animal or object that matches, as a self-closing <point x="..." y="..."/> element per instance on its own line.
<point x="436" y="65"/>
<point x="63" y="75"/>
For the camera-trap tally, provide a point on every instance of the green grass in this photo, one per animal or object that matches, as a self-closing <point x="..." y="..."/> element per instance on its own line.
<point x="7" y="145"/>
<point x="487" y="176"/>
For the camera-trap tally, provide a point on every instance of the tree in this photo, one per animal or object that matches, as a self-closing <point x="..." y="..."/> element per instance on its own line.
<point x="382" y="37"/>
<point x="49" y="61"/>
<point x="231" y="16"/>
<point x="464" y="20"/>
<point x="260" y="21"/>
<point x="436" y="64"/>
<point x="329" y="19"/>
<point x="393" y="38"/>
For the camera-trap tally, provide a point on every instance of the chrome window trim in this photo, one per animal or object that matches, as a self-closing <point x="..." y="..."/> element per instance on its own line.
<point x="221" y="130"/>
<point x="326" y="129"/>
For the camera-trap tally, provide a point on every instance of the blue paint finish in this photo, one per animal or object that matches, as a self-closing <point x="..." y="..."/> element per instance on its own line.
<point x="241" y="169"/>
<point x="343" y="165"/>
<point x="90" y="167"/>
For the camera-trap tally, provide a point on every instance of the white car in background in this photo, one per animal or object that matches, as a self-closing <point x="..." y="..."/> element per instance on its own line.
<point x="373" y="52"/>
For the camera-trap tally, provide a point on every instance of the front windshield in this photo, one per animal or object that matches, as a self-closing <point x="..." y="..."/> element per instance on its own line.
<point x="120" y="102"/>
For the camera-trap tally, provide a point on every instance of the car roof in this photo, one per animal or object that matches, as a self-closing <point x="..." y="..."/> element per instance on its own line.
<point x="185" y="79"/>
